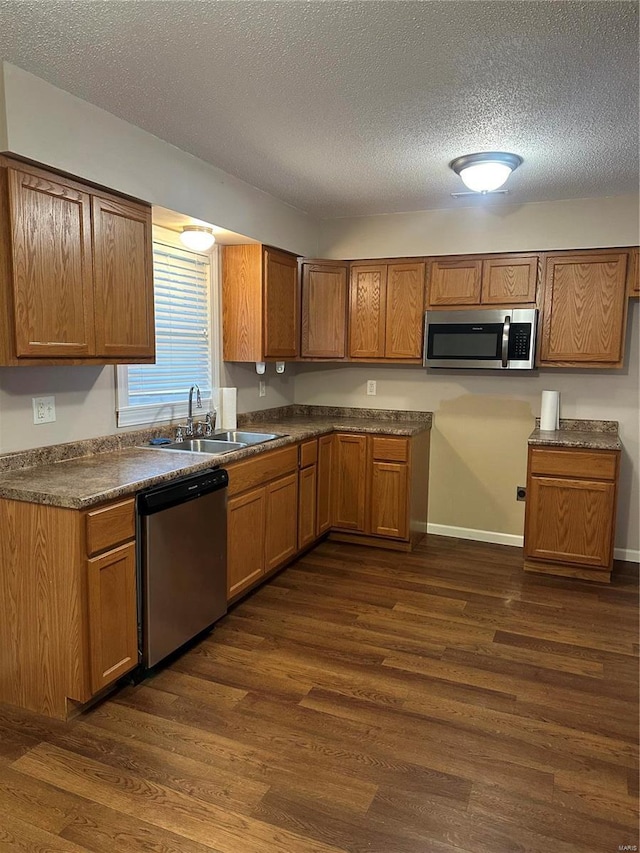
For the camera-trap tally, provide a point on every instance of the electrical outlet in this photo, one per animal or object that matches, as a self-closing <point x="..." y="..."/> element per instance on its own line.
<point x="371" y="387"/>
<point x="262" y="385"/>
<point x="44" y="410"/>
<point x="521" y="493"/>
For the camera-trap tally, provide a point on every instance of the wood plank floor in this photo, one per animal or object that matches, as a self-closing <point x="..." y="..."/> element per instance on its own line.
<point x="363" y="700"/>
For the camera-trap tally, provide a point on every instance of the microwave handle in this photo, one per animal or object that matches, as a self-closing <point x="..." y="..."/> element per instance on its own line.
<point x="505" y="341"/>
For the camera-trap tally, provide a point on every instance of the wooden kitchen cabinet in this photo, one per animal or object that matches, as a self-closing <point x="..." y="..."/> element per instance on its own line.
<point x="634" y="272"/>
<point x="570" y="512"/>
<point x="260" y="312"/>
<point x="584" y="309"/>
<point x="68" y="592"/>
<point x="262" y="517"/>
<point x="386" y="309"/>
<point x="324" y="286"/>
<point x="76" y="272"/>
<point x="308" y="493"/>
<point x="325" y="476"/>
<point x="380" y="486"/>
<point x="477" y="280"/>
<point x="349" y="481"/>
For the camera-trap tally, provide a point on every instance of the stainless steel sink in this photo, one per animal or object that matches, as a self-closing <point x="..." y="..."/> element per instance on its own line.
<point x="204" y="445"/>
<point x="245" y="437"/>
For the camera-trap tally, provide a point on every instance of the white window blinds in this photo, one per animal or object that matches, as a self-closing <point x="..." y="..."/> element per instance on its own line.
<point x="183" y="341"/>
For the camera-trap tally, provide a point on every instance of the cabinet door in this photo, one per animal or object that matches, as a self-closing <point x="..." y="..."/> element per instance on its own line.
<point x="388" y="499"/>
<point x="584" y="309"/>
<point x="324" y="311"/>
<point x="457" y="281"/>
<point x="282" y="521"/>
<point x="246" y="518"/>
<point x="634" y="272"/>
<point x="367" y="306"/>
<point x="113" y="616"/>
<point x="349" y="481"/>
<point x="325" y="470"/>
<point x="307" y="502"/>
<point x="281" y="305"/>
<point x="52" y="267"/>
<point x="570" y="521"/>
<point x="405" y="310"/>
<point x="510" y="280"/>
<point x="123" y="267"/>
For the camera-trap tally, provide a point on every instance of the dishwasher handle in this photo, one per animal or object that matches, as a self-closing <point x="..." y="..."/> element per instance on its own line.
<point x="182" y="490"/>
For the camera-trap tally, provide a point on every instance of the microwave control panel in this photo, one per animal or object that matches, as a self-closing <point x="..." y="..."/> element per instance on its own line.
<point x="520" y="341"/>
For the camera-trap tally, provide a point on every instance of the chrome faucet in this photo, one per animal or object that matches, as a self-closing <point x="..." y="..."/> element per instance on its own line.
<point x="189" y="425"/>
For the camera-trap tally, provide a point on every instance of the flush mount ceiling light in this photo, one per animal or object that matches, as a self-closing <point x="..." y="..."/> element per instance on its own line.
<point x="197" y="238"/>
<point x="485" y="172"/>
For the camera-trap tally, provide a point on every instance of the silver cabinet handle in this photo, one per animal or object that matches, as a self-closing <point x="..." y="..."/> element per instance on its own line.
<point x="505" y="341"/>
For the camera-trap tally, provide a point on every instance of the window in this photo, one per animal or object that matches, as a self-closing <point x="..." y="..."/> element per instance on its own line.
<point x="182" y="288"/>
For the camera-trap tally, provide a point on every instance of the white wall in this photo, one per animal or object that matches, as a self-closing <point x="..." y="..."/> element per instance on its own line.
<point x="3" y="113"/>
<point x="51" y="126"/>
<point x="494" y="227"/>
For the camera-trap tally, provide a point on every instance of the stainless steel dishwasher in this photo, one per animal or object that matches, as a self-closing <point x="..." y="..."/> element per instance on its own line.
<point x="182" y="529"/>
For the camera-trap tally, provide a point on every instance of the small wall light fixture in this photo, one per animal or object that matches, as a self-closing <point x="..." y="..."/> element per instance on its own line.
<point x="486" y="171"/>
<point x="197" y="238"/>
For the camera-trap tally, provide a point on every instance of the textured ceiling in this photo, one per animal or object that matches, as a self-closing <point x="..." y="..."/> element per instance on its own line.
<point x="342" y="108"/>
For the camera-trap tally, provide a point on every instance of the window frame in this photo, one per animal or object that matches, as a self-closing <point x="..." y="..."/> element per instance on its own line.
<point x="154" y="413"/>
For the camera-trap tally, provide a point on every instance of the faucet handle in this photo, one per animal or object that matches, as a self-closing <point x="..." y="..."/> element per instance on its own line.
<point x="208" y="423"/>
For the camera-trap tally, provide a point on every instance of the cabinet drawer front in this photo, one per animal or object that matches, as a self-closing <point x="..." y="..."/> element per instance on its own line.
<point x="261" y="469"/>
<point x="110" y="526"/>
<point x="595" y="464"/>
<point x="308" y="453"/>
<point x="390" y="449"/>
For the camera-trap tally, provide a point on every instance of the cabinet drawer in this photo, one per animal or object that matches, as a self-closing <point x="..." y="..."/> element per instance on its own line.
<point x="308" y="453"/>
<point x="261" y="469"/>
<point x="594" y="464"/>
<point x="390" y="449"/>
<point x="110" y="526"/>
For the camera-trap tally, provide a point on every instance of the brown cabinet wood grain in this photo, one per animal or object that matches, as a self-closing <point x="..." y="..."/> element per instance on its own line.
<point x="456" y="281"/>
<point x="78" y="287"/>
<point x="367" y="306"/>
<point x="388" y="499"/>
<point x="113" y="619"/>
<point x="509" y="280"/>
<point x="123" y="268"/>
<point x="324" y="310"/>
<point x="307" y="505"/>
<point x="570" y="512"/>
<point x="260" y="312"/>
<point x="52" y="267"/>
<point x="325" y="475"/>
<point x="477" y="280"/>
<point x="404" y="311"/>
<point x="246" y="520"/>
<point x="584" y="305"/>
<point x="634" y="272"/>
<point x="282" y="529"/>
<point x="349" y="481"/>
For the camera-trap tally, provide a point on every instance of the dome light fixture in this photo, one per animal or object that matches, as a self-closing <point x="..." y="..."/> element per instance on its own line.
<point x="485" y="172"/>
<point x="197" y="238"/>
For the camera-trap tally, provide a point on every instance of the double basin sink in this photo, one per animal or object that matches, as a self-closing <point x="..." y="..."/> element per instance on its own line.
<point x="222" y="442"/>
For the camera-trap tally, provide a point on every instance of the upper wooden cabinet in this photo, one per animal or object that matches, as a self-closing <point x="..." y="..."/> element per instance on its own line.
<point x="75" y="269"/>
<point x="474" y="280"/>
<point x="259" y="304"/>
<point x="324" y="309"/>
<point x="386" y="307"/>
<point x="634" y="272"/>
<point x="584" y="305"/>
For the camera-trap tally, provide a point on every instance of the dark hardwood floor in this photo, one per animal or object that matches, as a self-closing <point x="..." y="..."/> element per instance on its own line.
<point x="362" y="700"/>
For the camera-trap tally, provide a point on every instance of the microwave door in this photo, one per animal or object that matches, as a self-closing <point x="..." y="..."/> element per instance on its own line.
<point x="465" y="344"/>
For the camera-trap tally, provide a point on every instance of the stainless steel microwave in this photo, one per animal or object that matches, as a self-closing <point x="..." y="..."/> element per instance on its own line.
<point x="498" y="339"/>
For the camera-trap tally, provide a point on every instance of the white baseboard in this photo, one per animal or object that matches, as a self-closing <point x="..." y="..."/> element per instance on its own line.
<point x="512" y="539"/>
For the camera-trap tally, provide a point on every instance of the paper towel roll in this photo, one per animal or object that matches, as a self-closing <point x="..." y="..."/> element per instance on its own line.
<point x="550" y="410"/>
<point x="228" y="400"/>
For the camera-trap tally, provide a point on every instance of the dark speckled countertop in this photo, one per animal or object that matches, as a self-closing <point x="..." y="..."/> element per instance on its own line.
<point x="82" y="474"/>
<point x="586" y="434"/>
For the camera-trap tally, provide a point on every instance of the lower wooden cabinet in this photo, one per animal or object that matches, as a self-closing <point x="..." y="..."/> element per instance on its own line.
<point x="68" y="604"/>
<point x="281" y="541"/>
<point x="324" y="513"/>
<point x="307" y="505"/>
<point x="380" y="488"/>
<point x="113" y="620"/>
<point x="246" y="520"/>
<point x="570" y="512"/>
